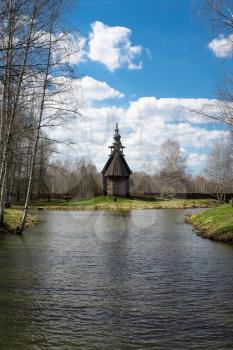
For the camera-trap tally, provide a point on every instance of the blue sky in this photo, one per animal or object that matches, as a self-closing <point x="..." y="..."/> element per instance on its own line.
<point x="181" y="65"/>
<point x="164" y="57"/>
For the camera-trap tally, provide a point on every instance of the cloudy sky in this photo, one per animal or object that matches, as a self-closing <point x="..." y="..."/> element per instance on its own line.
<point x="142" y="64"/>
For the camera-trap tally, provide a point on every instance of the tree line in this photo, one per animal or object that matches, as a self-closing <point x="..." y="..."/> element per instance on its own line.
<point x="68" y="179"/>
<point x="173" y="175"/>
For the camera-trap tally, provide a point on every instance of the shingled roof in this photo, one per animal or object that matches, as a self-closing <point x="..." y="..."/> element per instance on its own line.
<point x="116" y="164"/>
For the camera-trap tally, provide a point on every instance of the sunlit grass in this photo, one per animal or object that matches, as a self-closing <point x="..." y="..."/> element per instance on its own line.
<point x="13" y="218"/>
<point x="215" y="223"/>
<point x="108" y="203"/>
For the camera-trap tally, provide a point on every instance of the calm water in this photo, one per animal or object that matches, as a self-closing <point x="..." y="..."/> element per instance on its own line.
<point x="101" y="280"/>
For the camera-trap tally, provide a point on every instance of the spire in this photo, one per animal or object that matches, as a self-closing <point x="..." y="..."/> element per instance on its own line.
<point x="117" y="145"/>
<point x="117" y="136"/>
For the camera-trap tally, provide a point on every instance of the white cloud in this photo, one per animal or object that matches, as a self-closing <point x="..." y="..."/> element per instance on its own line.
<point x="80" y="93"/>
<point x="222" y="46"/>
<point x="144" y="125"/>
<point x="112" y="47"/>
<point x="172" y="109"/>
<point x="97" y="90"/>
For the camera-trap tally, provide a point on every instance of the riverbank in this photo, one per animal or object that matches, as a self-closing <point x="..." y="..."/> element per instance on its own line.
<point x="13" y="218"/>
<point x="108" y="203"/>
<point x="215" y="223"/>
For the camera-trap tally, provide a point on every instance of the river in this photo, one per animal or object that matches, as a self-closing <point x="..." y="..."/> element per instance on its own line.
<point x="112" y="281"/>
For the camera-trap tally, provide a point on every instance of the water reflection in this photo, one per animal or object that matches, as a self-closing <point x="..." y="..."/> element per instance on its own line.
<point x="111" y="227"/>
<point x="110" y="280"/>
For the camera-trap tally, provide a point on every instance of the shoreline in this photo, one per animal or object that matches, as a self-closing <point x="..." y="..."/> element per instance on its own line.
<point x="108" y="203"/>
<point x="13" y="219"/>
<point x="14" y="214"/>
<point x="109" y="208"/>
<point x="215" y="224"/>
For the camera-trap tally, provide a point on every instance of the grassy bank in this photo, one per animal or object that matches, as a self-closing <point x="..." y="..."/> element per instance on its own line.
<point x="215" y="223"/>
<point x="13" y="218"/>
<point x="108" y="203"/>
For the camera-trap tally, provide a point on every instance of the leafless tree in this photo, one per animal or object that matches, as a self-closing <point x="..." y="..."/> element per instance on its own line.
<point x="220" y="14"/>
<point x="173" y="165"/>
<point x="219" y="167"/>
<point x="34" y="79"/>
<point x="77" y="179"/>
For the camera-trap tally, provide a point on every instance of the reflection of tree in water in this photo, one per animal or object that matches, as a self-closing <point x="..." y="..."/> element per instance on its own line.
<point x="19" y="292"/>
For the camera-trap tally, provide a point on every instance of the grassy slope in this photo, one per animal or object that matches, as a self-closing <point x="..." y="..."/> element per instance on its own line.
<point x="108" y="203"/>
<point x="13" y="218"/>
<point x="215" y="223"/>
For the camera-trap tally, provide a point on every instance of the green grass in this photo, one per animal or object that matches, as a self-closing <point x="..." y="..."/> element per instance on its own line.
<point x="215" y="223"/>
<point x="108" y="203"/>
<point x="13" y="218"/>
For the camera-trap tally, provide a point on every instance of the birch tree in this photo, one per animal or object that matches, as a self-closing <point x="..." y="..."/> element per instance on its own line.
<point x="172" y="162"/>
<point x="34" y="78"/>
<point x="219" y="168"/>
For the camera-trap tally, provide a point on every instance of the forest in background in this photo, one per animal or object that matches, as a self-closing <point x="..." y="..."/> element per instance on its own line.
<point x="80" y="178"/>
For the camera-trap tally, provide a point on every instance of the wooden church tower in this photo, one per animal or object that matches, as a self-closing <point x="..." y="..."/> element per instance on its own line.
<point x="116" y="172"/>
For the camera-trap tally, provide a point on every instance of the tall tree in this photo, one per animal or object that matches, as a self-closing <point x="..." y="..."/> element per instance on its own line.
<point x="35" y="75"/>
<point x="220" y="14"/>
<point x="219" y="167"/>
<point x="172" y="162"/>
